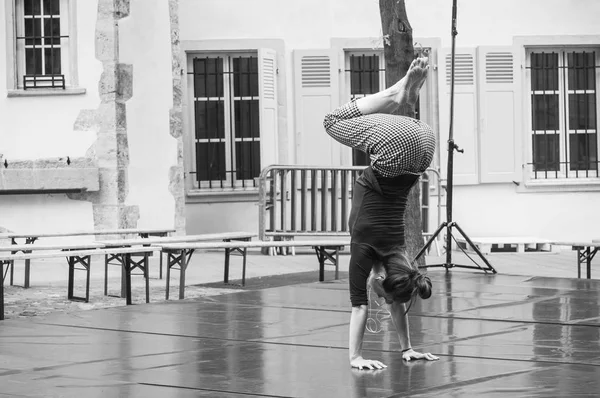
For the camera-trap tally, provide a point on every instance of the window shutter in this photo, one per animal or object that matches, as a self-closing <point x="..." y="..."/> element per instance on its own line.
<point x="267" y="72"/>
<point x="497" y="113"/>
<point x="465" y="112"/>
<point x="316" y="93"/>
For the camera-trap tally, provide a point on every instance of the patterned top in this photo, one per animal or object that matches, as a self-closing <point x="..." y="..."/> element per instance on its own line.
<point x="396" y="145"/>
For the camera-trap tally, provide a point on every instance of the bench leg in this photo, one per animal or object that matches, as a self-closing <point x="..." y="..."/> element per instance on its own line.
<point x="2" y="292"/>
<point x="588" y="263"/>
<point x="244" y="252"/>
<point x="321" y="256"/>
<point x="147" y="276"/>
<point x="170" y="259"/>
<point x="85" y="262"/>
<point x="27" y="273"/>
<point x="71" y="278"/>
<point x="124" y="276"/>
<point x="12" y="272"/>
<point x="182" y="269"/>
<point x="226" y="271"/>
<point x="160" y="254"/>
<point x="590" y="257"/>
<point x="106" y="274"/>
<point x="87" y="282"/>
<point x="337" y="264"/>
<point x="126" y="260"/>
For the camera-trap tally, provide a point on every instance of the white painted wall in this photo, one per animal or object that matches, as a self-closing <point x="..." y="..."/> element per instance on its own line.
<point x="482" y="210"/>
<point x="145" y="42"/>
<point x="42" y="127"/>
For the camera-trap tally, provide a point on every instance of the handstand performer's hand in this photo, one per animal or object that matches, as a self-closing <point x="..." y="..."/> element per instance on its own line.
<point x="361" y="363"/>
<point x="412" y="354"/>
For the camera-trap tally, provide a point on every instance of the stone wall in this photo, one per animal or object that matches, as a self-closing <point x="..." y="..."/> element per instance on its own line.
<point x="176" y="173"/>
<point x="109" y="121"/>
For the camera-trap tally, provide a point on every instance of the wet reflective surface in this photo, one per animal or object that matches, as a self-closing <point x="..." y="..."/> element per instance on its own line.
<point x="497" y="335"/>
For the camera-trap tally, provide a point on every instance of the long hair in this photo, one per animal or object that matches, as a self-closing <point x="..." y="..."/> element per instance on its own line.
<point x="404" y="280"/>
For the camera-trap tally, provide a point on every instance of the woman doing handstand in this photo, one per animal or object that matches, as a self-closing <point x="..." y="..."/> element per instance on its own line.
<point x="400" y="150"/>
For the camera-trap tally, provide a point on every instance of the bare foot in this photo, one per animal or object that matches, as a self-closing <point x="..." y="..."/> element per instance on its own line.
<point x="409" y="86"/>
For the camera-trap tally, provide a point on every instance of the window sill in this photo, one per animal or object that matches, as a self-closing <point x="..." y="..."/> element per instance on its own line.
<point x="222" y="195"/>
<point x="561" y="185"/>
<point x="43" y="92"/>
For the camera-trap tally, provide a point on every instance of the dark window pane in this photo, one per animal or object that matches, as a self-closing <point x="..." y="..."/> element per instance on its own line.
<point x="364" y="74"/>
<point x="52" y="61"/>
<point x="51" y="7"/>
<point x="210" y="161"/>
<point x="544" y="71"/>
<point x="546" y="152"/>
<point x="545" y="112"/>
<point x="583" y="152"/>
<point x="52" y="31"/>
<point x="245" y="77"/>
<point x="33" y="29"/>
<point x="32" y="7"/>
<point x="210" y="119"/>
<point x="247" y="118"/>
<point x="208" y="77"/>
<point x="582" y="72"/>
<point x="247" y="160"/>
<point x="582" y="111"/>
<point x="33" y="61"/>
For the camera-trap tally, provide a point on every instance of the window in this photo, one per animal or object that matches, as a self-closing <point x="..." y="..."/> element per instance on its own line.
<point x="226" y="120"/>
<point x="365" y="74"/>
<point x="42" y="43"/>
<point x="564" y="110"/>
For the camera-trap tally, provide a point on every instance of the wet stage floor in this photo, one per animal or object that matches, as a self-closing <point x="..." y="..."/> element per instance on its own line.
<point x="496" y="335"/>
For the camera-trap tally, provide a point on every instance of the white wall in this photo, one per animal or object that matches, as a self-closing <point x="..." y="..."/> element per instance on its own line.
<point x="482" y="210"/>
<point x="496" y="22"/>
<point x="37" y="127"/>
<point x="42" y="127"/>
<point x="145" y="42"/>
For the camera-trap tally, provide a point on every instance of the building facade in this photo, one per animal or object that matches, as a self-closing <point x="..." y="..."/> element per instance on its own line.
<point x="162" y="113"/>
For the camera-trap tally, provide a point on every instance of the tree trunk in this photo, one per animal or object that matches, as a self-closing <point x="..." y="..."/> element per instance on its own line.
<point x="399" y="52"/>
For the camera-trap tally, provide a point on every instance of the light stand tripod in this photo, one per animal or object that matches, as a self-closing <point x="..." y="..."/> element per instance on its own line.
<point x="449" y="224"/>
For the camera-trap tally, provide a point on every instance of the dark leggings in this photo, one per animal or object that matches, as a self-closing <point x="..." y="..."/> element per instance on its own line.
<point x="362" y="259"/>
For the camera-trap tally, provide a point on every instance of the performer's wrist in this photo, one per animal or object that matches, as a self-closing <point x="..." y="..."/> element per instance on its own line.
<point x="407" y="349"/>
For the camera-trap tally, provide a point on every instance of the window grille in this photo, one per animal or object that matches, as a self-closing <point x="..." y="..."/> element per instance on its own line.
<point x="563" y="91"/>
<point x="227" y="129"/>
<point x="42" y="43"/>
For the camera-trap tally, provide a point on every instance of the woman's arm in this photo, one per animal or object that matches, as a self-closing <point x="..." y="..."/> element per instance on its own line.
<point x="401" y="322"/>
<point x="358" y="320"/>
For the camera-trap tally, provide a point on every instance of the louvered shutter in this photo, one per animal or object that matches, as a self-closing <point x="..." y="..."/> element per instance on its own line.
<point x="465" y="113"/>
<point x="267" y="72"/>
<point x="316" y="92"/>
<point x="498" y="113"/>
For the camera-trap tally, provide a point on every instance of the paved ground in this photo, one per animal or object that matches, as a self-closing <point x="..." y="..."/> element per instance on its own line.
<point x="205" y="274"/>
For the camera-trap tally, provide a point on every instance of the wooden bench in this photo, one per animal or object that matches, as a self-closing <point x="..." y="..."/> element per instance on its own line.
<point x="181" y="253"/>
<point x="75" y="254"/>
<point x="115" y="259"/>
<point x="31" y="237"/>
<point x="586" y="250"/>
<point x="290" y="237"/>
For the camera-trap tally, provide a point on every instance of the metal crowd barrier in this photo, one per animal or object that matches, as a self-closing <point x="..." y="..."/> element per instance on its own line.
<point x="314" y="200"/>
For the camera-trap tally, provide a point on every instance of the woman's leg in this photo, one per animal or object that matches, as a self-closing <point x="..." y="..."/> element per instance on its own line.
<point x="352" y="124"/>
<point x="405" y="91"/>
